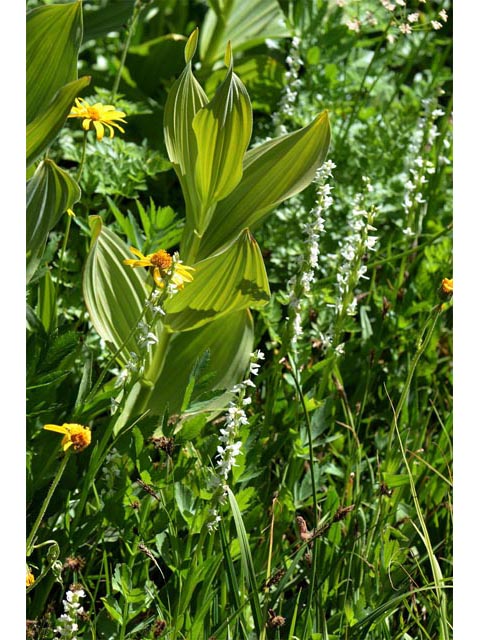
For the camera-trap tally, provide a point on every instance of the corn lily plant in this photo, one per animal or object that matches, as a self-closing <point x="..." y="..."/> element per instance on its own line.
<point x="228" y="191"/>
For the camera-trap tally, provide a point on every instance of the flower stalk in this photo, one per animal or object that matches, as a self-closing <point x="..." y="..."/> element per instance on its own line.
<point x="46" y="502"/>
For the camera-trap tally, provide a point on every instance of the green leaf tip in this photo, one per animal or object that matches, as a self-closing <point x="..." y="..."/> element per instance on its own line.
<point x="191" y="45"/>
<point x="228" y="55"/>
<point x="96" y="224"/>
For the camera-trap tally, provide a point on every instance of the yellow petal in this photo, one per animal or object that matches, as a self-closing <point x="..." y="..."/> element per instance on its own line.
<point x="109" y="128"/>
<point x="56" y="427"/>
<point x="99" y="129"/>
<point x="136" y="252"/>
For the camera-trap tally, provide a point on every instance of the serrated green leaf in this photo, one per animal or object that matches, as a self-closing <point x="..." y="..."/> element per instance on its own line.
<point x="223" y="129"/>
<point x="113" y="608"/>
<point x="114" y="293"/>
<point x="272" y="172"/>
<point x="245" y="23"/>
<point x="228" y="281"/>
<point x="50" y="192"/>
<point x="229" y="341"/>
<point x="43" y="129"/>
<point x="54" y="35"/>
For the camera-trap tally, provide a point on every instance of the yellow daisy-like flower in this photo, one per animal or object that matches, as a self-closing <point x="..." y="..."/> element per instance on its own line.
<point x="74" y="435"/>
<point x="30" y="577"/>
<point x="99" y="115"/>
<point x="447" y="286"/>
<point x="163" y="267"/>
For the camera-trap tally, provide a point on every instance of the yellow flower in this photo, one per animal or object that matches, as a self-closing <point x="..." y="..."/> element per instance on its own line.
<point x="447" y="286"/>
<point x="97" y="115"/>
<point x="163" y="267"/>
<point x="73" y="435"/>
<point x="30" y="577"/>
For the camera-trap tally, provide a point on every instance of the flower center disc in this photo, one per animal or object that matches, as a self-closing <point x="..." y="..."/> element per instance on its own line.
<point x="162" y="260"/>
<point x="93" y="113"/>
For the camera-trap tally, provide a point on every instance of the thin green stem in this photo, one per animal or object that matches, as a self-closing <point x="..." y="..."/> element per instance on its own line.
<point x="130" y="31"/>
<point x="69" y="218"/>
<point x="82" y="158"/>
<point x="64" y="247"/>
<point x="312" y="586"/>
<point x="46" y="502"/>
<point x="427" y="331"/>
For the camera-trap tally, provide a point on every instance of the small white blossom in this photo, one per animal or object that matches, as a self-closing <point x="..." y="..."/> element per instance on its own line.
<point x="413" y="17"/>
<point x="354" y="25"/>
<point x="67" y="625"/>
<point x="340" y="349"/>
<point x="405" y="28"/>
<point x="443" y="15"/>
<point x="436" y="25"/>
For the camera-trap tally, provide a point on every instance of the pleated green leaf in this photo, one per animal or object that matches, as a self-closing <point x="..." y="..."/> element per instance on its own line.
<point x="54" y="35"/>
<point x="44" y="128"/>
<point x="245" y="23"/>
<point x="50" y="192"/>
<point x="114" y="293"/>
<point x="223" y="129"/>
<point x="229" y="341"/>
<point x="272" y="172"/>
<point x="185" y="99"/>
<point x="228" y="281"/>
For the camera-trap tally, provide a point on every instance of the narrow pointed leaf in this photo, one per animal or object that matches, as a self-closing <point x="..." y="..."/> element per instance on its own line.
<point x="228" y="281"/>
<point x="114" y="293"/>
<point x="50" y="192"/>
<point x="54" y="35"/>
<point x="247" y="563"/>
<point x="272" y="172"/>
<point x="223" y="129"/>
<point x="228" y="339"/>
<point x="44" y="128"/>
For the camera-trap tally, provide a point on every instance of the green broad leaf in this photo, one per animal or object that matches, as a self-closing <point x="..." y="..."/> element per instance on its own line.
<point x="54" y="35"/>
<point x="272" y="172"/>
<point x="229" y="341"/>
<point x="246" y="23"/>
<point x="114" y="293"/>
<point x="100" y="21"/>
<point x="223" y="129"/>
<point x="50" y="192"/>
<point x="44" y="128"/>
<point x="263" y="77"/>
<point x="229" y="281"/>
<point x="185" y="99"/>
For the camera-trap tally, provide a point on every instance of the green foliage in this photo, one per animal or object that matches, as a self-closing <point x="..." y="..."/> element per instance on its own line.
<point x="50" y="192"/>
<point x="313" y="500"/>
<point x="54" y="34"/>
